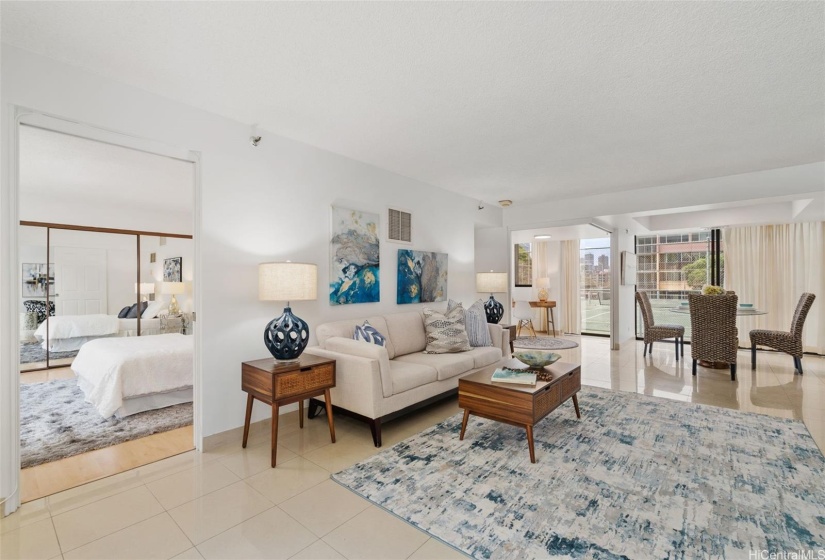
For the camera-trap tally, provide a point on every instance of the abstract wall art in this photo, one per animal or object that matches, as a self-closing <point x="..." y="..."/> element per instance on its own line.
<point x="172" y="269"/>
<point x="36" y="280"/>
<point x="354" y="257"/>
<point x="422" y="276"/>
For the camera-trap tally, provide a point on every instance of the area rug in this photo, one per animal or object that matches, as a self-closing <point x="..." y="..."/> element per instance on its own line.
<point x="543" y="343"/>
<point x="636" y="477"/>
<point x="56" y="422"/>
<point x="31" y="352"/>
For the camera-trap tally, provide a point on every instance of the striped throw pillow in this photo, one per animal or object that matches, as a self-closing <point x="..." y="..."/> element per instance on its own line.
<point x="445" y="332"/>
<point x="475" y="321"/>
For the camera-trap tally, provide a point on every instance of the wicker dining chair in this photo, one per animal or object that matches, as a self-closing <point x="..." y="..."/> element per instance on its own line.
<point x="714" y="336"/>
<point x="654" y="332"/>
<point x="788" y="342"/>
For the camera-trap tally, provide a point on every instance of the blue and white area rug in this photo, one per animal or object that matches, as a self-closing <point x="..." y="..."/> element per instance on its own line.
<point x="636" y="477"/>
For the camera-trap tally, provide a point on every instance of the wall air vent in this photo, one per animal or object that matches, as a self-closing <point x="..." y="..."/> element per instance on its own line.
<point x="399" y="226"/>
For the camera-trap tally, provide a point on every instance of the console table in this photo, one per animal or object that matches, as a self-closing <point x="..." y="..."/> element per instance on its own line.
<point x="281" y="383"/>
<point x="548" y="306"/>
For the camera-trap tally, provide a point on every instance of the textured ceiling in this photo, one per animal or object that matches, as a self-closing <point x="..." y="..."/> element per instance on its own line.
<point x="526" y="101"/>
<point x="59" y="167"/>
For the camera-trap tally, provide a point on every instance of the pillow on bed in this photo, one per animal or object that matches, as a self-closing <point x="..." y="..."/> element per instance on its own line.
<point x="133" y="311"/>
<point x="124" y="312"/>
<point x="152" y="310"/>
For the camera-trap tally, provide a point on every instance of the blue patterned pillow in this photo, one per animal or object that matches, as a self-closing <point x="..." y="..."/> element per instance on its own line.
<point x="368" y="333"/>
<point x="475" y="321"/>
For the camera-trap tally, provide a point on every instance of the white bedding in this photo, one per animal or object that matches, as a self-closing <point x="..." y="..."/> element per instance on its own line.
<point x="70" y="332"/>
<point x="111" y="370"/>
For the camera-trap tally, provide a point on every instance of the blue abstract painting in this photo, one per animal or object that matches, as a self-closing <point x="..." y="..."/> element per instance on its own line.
<point x="422" y="276"/>
<point x="354" y="257"/>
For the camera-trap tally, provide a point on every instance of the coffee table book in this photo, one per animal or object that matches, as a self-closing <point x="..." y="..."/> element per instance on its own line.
<point x="510" y="376"/>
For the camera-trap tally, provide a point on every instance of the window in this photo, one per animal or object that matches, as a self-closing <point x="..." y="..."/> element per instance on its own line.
<point x="524" y="265"/>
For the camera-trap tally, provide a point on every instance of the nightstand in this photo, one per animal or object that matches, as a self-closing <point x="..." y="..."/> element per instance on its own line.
<point x="281" y="383"/>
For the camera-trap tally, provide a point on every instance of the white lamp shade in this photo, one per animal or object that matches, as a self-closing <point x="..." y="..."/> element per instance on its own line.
<point x="287" y="281"/>
<point x="491" y="282"/>
<point x="173" y="288"/>
<point x="542" y="283"/>
<point x="146" y="288"/>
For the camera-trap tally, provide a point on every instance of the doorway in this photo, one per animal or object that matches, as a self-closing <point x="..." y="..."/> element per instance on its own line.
<point x="95" y="284"/>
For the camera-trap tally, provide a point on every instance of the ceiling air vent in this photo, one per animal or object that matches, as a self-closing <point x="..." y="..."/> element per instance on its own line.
<point x="400" y="226"/>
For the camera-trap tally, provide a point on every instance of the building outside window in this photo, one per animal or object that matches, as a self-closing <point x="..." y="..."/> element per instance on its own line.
<point x="669" y="267"/>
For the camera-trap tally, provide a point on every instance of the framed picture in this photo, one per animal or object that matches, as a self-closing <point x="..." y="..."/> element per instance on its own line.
<point x="172" y="269"/>
<point x="354" y="257"/>
<point x="422" y="276"/>
<point x="37" y="278"/>
<point x="628" y="268"/>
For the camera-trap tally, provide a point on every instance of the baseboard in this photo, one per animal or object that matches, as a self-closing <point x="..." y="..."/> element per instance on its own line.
<point x="236" y="434"/>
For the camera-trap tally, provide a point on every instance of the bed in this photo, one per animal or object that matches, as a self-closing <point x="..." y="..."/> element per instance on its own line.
<point x="70" y="332"/>
<point x="122" y="376"/>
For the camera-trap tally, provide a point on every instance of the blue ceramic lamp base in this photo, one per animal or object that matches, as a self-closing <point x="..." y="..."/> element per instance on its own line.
<point x="286" y="336"/>
<point x="494" y="310"/>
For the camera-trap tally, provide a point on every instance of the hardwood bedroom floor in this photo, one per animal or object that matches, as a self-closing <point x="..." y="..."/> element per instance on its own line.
<point x="50" y="478"/>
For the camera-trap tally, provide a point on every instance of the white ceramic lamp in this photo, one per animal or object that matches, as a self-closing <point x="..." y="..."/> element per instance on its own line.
<point x="492" y="282"/>
<point x="287" y="336"/>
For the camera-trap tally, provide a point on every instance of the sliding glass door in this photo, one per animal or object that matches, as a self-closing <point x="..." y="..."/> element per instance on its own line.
<point x="671" y="266"/>
<point x="595" y="273"/>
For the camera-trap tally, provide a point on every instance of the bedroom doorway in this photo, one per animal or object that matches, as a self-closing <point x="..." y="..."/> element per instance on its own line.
<point x="106" y="313"/>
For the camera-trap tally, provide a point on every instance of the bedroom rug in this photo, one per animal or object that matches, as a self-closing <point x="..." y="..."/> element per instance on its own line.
<point x="543" y="343"/>
<point x="636" y="477"/>
<point x="31" y="352"/>
<point x="56" y="422"/>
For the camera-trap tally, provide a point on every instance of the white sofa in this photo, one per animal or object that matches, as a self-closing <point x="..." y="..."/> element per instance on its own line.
<point x="378" y="383"/>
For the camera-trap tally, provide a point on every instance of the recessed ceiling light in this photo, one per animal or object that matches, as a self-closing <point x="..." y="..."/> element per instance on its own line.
<point x="542" y="236"/>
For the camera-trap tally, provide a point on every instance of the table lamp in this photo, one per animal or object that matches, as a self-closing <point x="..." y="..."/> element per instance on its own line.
<point x="287" y="336"/>
<point x="173" y="288"/>
<point x="493" y="282"/>
<point x="543" y="284"/>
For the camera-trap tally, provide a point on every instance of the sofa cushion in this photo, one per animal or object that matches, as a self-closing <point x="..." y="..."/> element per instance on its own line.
<point x="346" y="329"/>
<point x="406" y="376"/>
<point x="406" y="331"/>
<point x="484" y="356"/>
<point x="445" y="332"/>
<point x="475" y="321"/>
<point x="447" y="365"/>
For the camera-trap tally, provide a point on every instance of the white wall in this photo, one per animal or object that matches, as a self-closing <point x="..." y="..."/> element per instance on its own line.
<point x="258" y="204"/>
<point x="492" y="253"/>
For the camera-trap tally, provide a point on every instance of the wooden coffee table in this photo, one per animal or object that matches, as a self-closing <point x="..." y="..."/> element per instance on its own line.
<point x="519" y="405"/>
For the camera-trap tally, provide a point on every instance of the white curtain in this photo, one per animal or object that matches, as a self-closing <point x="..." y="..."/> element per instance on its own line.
<point x="570" y="299"/>
<point x="771" y="266"/>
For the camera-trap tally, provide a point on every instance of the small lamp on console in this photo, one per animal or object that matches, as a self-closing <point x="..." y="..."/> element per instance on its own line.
<point x="173" y="288"/>
<point x="543" y="284"/>
<point x="492" y="282"/>
<point x="286" y="336"/>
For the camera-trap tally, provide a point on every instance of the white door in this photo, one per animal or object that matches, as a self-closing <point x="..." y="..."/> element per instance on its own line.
<point x="79" y="280"/>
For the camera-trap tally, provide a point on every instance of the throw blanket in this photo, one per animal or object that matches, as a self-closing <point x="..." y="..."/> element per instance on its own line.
<point x="110" y="370"/>
<point x="76" y="326"/>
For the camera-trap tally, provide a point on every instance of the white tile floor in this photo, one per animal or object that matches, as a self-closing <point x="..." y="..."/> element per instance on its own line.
<point x="228" y="503"/>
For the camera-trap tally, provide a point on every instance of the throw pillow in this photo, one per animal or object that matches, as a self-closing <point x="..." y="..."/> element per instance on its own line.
<point x="124" y="312"/>
<point x="153" y="309"/>
<point x="475" y="321"/>
<point x="445" y="332"/>
<point x="133" y="311"/>
<point x="368" y="333"/>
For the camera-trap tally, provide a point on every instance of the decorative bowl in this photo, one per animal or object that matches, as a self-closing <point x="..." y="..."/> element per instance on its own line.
<point x="746" y="305"/>
<point x="536" y="358"/>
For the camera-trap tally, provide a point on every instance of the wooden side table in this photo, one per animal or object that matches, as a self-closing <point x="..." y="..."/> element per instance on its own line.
<point x="548" y="306"/>
<point x="278" y="384"/>
<point x="512" y="329"/>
